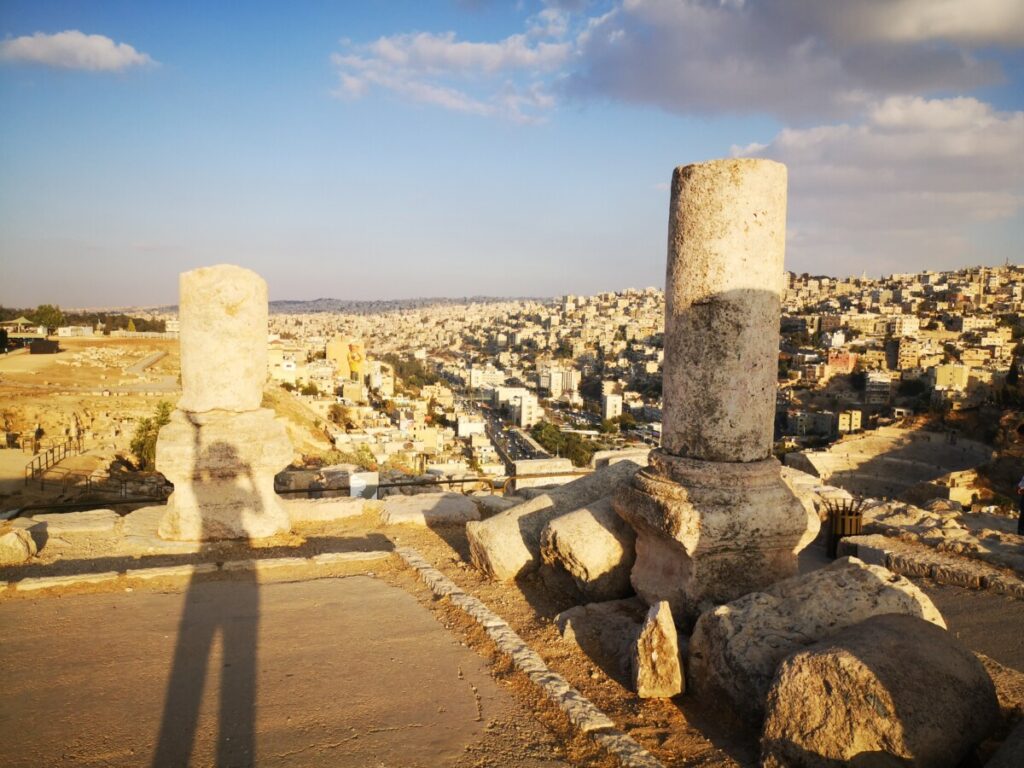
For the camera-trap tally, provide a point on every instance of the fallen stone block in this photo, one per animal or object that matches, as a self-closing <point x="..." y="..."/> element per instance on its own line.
<point x="426" y="509"/>
<point x="16" y="546"/>
<point x="508" y="544"/>
<point x="322" y="510"/>
<point x="657" y="672"/>
<point x="595" y="547"/>
<point x="1011" y="753"/>
<point x="891" y="690"/>
<point x="736" y="648"/>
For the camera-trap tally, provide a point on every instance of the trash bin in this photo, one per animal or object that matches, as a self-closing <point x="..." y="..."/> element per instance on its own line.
<point x="845" y="518"/>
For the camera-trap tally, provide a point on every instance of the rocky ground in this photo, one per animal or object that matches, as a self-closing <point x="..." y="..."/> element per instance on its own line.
<point x="688" y="729"/>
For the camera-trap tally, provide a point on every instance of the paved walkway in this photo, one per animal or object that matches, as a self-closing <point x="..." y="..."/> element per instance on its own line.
<point x="334" y="672"/>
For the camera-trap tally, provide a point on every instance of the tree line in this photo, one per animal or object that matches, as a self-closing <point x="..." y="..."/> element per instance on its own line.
<point x="53" y="317"/>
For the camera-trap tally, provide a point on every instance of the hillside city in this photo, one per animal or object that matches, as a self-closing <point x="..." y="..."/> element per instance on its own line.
<point x="512" y="386"/>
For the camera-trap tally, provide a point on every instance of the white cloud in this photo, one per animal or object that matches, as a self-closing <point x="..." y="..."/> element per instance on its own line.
<point x="509" y="78"/>
<point x="73" y="50"/>
<point x="911" y="181"/>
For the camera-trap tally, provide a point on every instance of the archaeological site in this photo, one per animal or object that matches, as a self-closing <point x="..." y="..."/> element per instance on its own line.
<point x="688" y="601"/>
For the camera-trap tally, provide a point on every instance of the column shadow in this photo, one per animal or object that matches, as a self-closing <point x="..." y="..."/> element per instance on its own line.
<point x="228" y="609"/>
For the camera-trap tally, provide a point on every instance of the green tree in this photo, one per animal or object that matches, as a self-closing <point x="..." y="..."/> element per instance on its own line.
<point x="48" y="315"/>
<point x="131" y="326"/>
<point x="143" y="443"/>
<point x="310" y="389"/>
<point x="912" y="387"/>
<point x="339" y="414"/>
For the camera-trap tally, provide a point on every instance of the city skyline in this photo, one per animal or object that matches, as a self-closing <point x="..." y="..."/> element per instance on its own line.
<point x="444" y="149"/>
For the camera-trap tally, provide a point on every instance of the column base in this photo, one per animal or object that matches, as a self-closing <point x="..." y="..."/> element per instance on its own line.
<point x="222" y="465"/>
<point x="710" y="532"/>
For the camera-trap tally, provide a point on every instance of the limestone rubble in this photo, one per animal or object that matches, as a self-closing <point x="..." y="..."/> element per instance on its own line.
<point x="657" y="671"/>
<point x="594" y="547"/>
<point x="892" y="689"/>
<point x="736" y="648"/>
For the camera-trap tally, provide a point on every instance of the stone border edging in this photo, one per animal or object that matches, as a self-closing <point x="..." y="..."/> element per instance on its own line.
<point x="917" y="560"/>
<point x="581" y="711"/>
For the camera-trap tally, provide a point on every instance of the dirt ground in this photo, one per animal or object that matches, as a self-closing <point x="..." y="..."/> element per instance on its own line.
<point x="678" y="732"/>
<point x="332" y="672"/>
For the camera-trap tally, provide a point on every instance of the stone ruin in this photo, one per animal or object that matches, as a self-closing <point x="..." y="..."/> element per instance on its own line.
<point x="221" y="450"/>
<point x="713" y="518"/>
<point x="708" y="532"/>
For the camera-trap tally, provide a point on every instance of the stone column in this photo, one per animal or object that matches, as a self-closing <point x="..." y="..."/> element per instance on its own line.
<point x="220" y="449"/>
<point x="714" y="519"/>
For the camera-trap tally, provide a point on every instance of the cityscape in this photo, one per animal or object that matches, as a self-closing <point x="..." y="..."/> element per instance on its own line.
<point x="535" y="384"/>
<point x="481" y="386"/>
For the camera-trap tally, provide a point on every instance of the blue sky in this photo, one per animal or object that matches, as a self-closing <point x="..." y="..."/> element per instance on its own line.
<point x="398" y="149"/>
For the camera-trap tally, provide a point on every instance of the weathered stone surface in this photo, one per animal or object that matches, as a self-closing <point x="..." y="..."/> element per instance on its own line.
<point x="139" y="534"/>
<point x="708" y="532"/>
<point x="595" y="547"/>
<point x="491" y="503"/>
<point x="508" y="544"/>
<point x="891" y="690"/>
<point x="727" y="240"/>
<point x="714" y="520"/>
<point x="222" y="464"/>
<point x="223" y="313"/>
<point x="1011" y="752"/>
<point x="736" y="648"/>
<point x="987" y="538"/>
<point x="321" y="510"/>
<point x="428" y="509"/>
<point x="16" y="546"/>
<point x="221" y="450"/>
<point x="811" y="492"/>
<point x="93" y="522"/>
<point x="657" y="671"/>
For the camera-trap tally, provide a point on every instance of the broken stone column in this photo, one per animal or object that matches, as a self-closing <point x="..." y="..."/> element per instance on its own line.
<point x="714" y="520"/>
<point x="220" y="449"/>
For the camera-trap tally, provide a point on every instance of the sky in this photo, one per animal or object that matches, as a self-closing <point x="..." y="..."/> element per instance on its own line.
<point x="365" y="150"/>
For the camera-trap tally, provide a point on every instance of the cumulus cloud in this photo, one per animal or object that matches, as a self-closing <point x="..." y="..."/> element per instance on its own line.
<point x="73" y="50"/>
<point x="791" y="58"/>
<point x="909" y="181"/>
<point x="507" y="78"/>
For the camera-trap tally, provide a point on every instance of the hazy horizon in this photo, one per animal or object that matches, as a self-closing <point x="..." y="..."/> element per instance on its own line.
<point x="453" y="298"/>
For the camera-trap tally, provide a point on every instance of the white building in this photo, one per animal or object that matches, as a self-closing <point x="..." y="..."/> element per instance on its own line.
<point x="611" y="406"/>
<point x="526" y="410"/>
